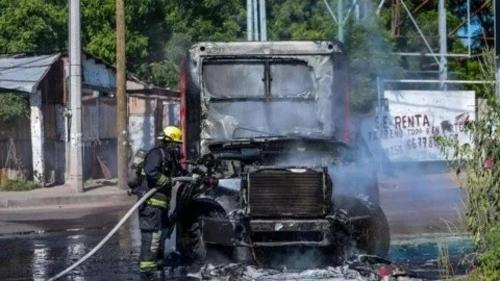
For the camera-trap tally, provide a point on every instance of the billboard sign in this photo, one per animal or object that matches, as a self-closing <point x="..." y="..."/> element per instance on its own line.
<point x="407" y="122"/>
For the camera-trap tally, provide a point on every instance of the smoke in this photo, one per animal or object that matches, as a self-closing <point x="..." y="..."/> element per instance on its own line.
<point x="420" y="192"/>
<point x="416" y="194"/>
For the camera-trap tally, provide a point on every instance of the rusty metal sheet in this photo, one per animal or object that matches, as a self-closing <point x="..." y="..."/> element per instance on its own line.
<point x="97" y="74"/>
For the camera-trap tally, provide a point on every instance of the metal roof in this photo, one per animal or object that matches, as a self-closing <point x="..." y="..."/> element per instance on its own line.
<point x="24" y="73"/>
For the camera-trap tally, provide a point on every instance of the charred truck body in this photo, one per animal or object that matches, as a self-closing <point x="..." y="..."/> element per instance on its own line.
<point x="273" y="118"/>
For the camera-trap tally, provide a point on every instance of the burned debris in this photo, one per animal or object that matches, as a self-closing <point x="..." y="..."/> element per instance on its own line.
<point x="360" y="268"/>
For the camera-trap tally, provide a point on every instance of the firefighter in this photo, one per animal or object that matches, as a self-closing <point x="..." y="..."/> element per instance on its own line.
<point x="161" y="164"/>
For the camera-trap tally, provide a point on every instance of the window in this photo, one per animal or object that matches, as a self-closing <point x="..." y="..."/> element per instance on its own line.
<point x="258" y="79"/>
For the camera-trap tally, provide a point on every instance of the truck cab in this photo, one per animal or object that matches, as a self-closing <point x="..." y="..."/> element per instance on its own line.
<point x="273" y="119"/>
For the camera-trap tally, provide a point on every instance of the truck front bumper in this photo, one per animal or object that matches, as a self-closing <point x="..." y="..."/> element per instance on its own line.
<point x="290" y="232"/>
<point x="269" y="233"/>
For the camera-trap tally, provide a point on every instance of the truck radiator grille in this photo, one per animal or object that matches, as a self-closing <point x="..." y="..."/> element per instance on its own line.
<point x="283" y="193"/>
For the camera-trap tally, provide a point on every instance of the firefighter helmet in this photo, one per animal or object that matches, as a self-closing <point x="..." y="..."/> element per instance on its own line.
<point x="171" y="133"/>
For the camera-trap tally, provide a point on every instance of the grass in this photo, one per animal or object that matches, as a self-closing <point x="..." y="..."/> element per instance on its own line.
<point x="18" y="185"/>
<point x="443" y="260"/>
<point x="486" y="265"/>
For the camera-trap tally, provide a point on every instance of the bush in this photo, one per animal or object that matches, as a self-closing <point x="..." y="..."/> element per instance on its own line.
<point x="489" y="259"/>
<point x="12" y="106"/>
<point x="18" y="185"/>
<point x="480" y="166"/>
<point x="480" y="162"/>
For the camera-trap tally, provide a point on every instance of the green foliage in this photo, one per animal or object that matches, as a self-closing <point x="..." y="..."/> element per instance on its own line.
<point x="144" y="24"/>
<point x="489" y="260"/>
<point x="369" y="50"/>
<point x="367" y="44"/>
<point x="189" y="22"/>
<point x="300" y="20"/>
<point x="12" y="106"/>
<point x="407" y="38"/>
<point x="159" y="32"/>
<point x="18" y="185"/>
<point x="481" y="169"/>
<point x="481" y="161"/>
<point x="42" y="26"/>
<point x="443" y="260"/>
<point x="31" y="25"/>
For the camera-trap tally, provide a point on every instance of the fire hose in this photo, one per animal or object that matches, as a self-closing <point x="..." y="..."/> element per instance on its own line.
<point x="115" y="229"/>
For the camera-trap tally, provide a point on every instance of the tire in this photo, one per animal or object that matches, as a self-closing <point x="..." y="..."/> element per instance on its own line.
<point x="370" y="235"/>
<point x="190" y="243"/>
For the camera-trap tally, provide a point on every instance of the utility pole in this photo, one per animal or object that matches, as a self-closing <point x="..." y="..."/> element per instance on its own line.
<point x="256" y="29"/>
<point x="121" y="96"/>
<point x="357" y="10"/>
<point x="249" y="20"/>
<point x="75" y="80"/>
<point x="443" y="45"/>
<point x="340" y="19"/>
<point x="256" y="20"/>
<point x="263" y="20"/>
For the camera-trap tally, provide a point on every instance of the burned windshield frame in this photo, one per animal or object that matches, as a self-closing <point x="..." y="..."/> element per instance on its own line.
<point x="266" y="79"/>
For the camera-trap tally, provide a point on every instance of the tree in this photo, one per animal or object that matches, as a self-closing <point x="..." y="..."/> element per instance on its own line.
<point x="300" y="20"/>
<point x="189" y="22"/>
<point x="368" y="45"/>
<point x="370" y="57"/>
<point x="159" y="32"/>
<point x="145" y="27"/>
<point x="31" y="25"/>
<point x="14" y="106"/>
<point x="41" y="26"/>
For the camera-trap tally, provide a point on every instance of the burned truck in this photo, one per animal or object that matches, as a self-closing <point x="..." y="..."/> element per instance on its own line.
<point x="271" y="121"/>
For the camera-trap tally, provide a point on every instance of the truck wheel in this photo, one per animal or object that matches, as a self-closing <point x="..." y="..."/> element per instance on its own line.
<point x="191" y="244"/>
<point x="368" y="227"/>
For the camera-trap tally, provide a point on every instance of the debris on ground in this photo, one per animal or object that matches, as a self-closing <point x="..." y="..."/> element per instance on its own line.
<point x="365" y="268"/>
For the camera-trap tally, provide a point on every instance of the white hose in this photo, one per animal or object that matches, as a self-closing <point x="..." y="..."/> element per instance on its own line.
<point x="115" y="229"/>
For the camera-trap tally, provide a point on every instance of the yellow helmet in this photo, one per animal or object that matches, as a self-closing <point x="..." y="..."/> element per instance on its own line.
<point x="172" y="133"/>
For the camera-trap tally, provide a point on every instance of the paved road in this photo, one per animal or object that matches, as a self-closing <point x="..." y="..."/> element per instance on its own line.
<point x="422" y="203"/>
<point x="35" y="246"/>
<point x="40" y="256"/>
<point x="57" y="243"/>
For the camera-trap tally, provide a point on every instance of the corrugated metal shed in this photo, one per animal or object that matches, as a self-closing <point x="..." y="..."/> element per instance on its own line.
<point x="21" y="73"/>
